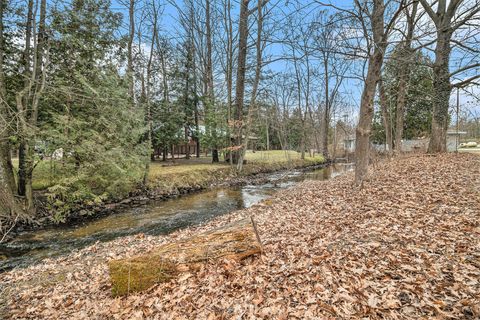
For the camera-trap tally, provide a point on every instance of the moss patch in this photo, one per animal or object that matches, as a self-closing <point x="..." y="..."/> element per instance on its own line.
<point x="139" y="274"/>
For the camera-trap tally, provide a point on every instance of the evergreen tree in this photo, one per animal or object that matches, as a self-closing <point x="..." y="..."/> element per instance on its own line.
<point x="419" y="105"/>
<point x="87" y="111"/>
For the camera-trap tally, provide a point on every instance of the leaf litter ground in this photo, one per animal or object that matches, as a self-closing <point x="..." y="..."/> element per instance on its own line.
<point x="405" y="246"/>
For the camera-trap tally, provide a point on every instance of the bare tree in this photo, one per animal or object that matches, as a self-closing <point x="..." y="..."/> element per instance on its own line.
<point x="386" y="117"/>
<point x="209" y="72"/>
<point x="258" y="69"/>
<point x="376" y="23"/>
<point x="240" y="83"/>
<point x="334" y="70"/>
<point x="147" y="86"/>
<point x="131" y="36"/>
<point x="405" y="60"/>
<point x="448" y="17"/>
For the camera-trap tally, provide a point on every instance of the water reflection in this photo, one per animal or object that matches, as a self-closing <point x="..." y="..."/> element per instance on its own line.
<point x="154" y="219"/>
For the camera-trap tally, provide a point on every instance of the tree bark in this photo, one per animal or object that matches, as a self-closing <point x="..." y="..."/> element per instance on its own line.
<point x="253" y="100"/>
<point x="23" y="106"/>
<point x="235" y="241"/>
<point x="441" y="90"/>
<point x="326" y="114"/>
<point x="27" y="102"/>
<point x="9" y="209"/>
<point x="240" y="85"/>
<point x="447" y="20"/>
<point x="386" y="118"/>
<point x="131" y="35"/>
<point x="401" y="101"/>
<point x="209" y="74"/>
<point x="148" y="106"/>
<point x="195" y="93"/>
<point x="375" y="61"/>
<point x="406" y="54"/>
<point x="5" y="127"/>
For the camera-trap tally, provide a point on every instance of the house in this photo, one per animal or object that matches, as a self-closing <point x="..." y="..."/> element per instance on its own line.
<point x="349" y="143"/>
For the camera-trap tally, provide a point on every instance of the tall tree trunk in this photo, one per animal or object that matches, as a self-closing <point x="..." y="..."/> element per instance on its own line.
<point x="406" y="55"/>
<point x="441" y="90"/>
<point x="229" y="73"/>
<point x="186" y="102"/>
<point x="209" y="74"/>
<point x="325" y="126"/>
<point x="23" y="99"/>
<point x="195" y="106"/>
<point x="240" y="87"/>
<point x="386" y="118"/>
<point x="267" y="134"/>
<point x="326" y="114"/>
<point x="448" y="17"/>
<point x="196" y="115"/>
<point x="147" y="98"/>
<point x="302" y="142"/>
<point x="401" y="101"/>
<point x="6" y="167"/>
<point x="27" y="105"/>
<point x="8" y="206"/>
<point x="9" y="209"/>
<point x="131" y="35"/>
<point x="256" y="82"/>
<point x="375" y="61"/>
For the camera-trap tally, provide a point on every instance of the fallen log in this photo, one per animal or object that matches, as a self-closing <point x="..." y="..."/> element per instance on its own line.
<point x="235" y="241"/>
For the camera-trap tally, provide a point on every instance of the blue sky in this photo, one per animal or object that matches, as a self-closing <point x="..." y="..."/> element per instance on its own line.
<point x="352" y="88"/>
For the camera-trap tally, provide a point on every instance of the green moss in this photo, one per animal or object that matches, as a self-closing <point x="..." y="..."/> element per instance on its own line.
<point x="138" y="274"/>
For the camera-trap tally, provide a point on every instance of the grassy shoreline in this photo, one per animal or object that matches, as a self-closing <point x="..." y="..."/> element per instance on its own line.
<point x="199" y="175"/>
<point x="166" y="180"/>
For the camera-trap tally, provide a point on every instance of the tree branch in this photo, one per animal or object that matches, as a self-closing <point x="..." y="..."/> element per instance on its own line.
<point x="465" y="69"/>
<point x="465" y="82"/>
<point x="429" y="10"/>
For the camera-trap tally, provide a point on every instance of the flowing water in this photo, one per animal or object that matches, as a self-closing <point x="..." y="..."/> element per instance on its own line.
<point x="156" y="218"/>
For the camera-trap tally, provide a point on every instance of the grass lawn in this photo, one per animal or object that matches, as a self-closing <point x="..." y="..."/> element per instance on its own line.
<point x="194" y="172"/>
<point x="470" y="150"/>
<point x="201" y="172"/>
<point x="45" y="173"/>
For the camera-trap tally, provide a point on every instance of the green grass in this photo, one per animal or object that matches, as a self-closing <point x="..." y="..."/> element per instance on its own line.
<point x="470" y="150"/>
<point x="199" y="173"/>
<point x="283" y="156"/>
<point x="182" y="173"/>
<point x="45" y="174"/>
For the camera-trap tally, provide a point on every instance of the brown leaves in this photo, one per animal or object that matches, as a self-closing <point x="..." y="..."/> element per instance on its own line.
<point x="406" y="246"/>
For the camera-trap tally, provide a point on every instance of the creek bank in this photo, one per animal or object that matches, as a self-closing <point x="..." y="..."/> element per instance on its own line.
<point x="144" y="195"/>
<point x="331" y="250"/>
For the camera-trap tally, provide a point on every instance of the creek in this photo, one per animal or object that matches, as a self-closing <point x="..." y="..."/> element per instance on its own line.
<point x="155" y="218"/>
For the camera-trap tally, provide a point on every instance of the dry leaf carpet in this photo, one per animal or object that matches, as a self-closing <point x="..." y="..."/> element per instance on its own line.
<point x="405" y="246"/>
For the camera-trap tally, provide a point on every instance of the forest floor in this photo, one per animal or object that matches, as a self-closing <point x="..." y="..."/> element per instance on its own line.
<point x="405" y="246"/>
